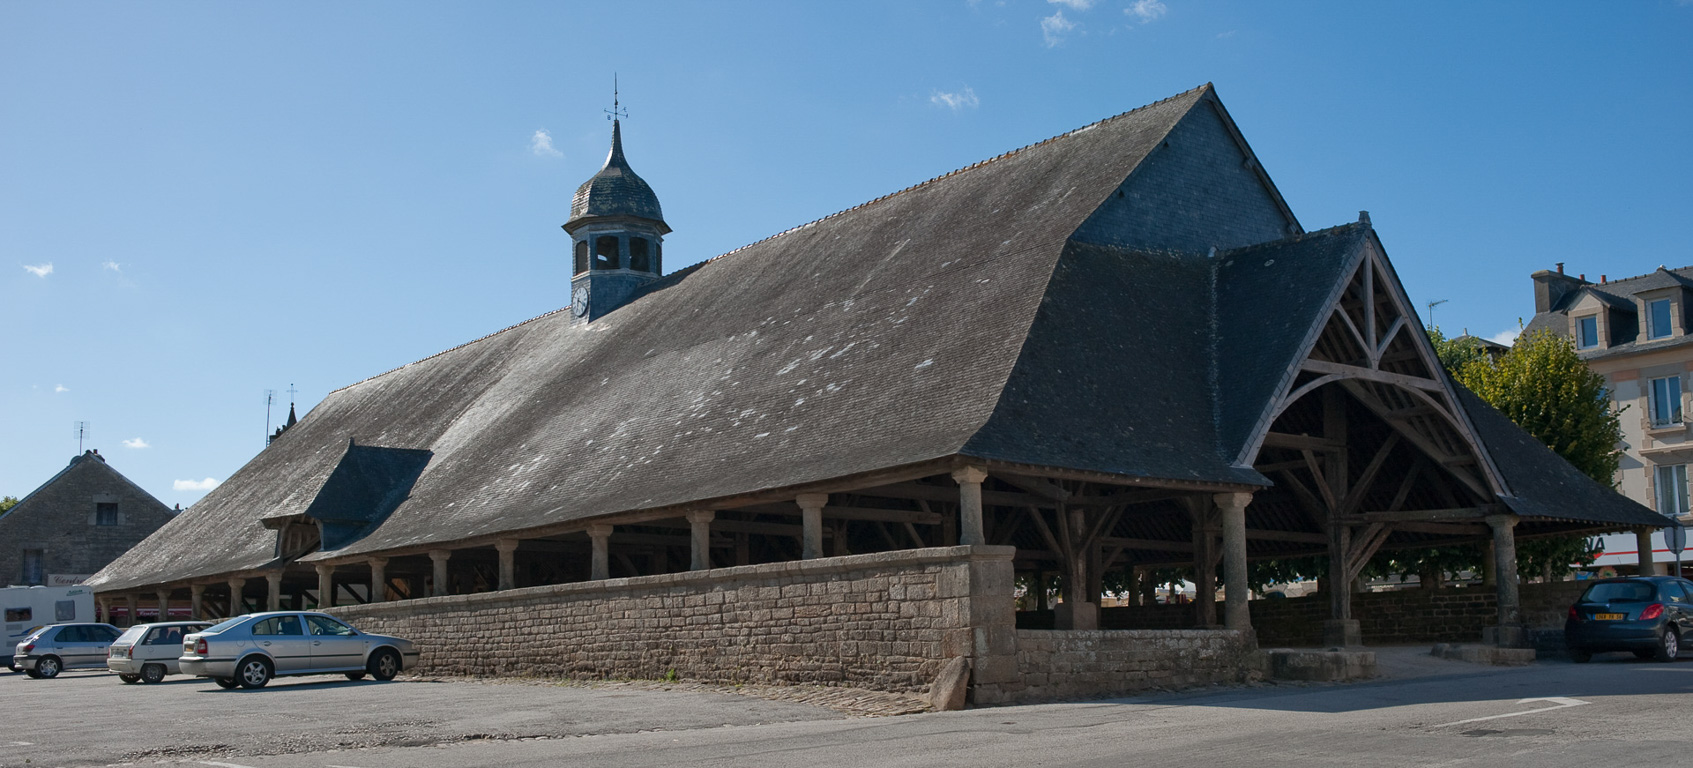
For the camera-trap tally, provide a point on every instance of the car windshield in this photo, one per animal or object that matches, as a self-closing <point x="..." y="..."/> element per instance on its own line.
<point x="1620" y="592"/>
<point x="223" y="625"/>
<point x="132" y="634"/>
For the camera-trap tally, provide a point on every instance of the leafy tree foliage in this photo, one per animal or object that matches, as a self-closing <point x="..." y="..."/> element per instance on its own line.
<point x="7" y="502"/>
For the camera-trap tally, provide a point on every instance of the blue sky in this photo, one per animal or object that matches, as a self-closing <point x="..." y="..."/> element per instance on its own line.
<point x="242" y="196"/>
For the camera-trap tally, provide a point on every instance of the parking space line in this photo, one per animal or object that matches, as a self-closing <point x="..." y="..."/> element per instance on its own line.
<point x="222" y="765"/>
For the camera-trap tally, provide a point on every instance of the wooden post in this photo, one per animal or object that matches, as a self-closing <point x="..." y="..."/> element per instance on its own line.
<point x="1204" y="564"/>
<point x="196" y="600"/>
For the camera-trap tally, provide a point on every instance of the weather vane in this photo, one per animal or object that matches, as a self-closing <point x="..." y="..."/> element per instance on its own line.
<point x="616" y="111"/>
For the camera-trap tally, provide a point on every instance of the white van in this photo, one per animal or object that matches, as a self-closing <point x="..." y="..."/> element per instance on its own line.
<point x="30" y="608"/>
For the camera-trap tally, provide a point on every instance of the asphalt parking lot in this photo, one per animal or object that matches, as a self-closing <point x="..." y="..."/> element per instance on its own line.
<point x="90" y="718"/>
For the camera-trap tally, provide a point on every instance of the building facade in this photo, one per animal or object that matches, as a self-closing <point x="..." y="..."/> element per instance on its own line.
<point x="74" y="524"/>
<point x="1635" y="333"/>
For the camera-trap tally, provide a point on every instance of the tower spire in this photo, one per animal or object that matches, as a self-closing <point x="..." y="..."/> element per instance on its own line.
<point x="617" y="109"/>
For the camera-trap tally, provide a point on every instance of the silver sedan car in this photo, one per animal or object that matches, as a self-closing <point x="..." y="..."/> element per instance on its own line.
<point x="249" y="650"/>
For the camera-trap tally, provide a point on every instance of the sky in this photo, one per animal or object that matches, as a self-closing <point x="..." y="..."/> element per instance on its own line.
<point x="201" y="202"/>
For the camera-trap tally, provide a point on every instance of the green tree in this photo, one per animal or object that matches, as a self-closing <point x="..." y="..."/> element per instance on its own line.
<point x="7" y="502"/>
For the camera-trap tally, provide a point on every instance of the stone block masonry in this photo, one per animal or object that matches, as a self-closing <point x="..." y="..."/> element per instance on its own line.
<point x="885" y="621"/>
<point x="888" y="621"/>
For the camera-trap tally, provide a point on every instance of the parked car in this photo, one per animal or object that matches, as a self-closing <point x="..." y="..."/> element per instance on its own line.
<point x="145" y="653"/>
<point x="58" y="647"/>
<point x="1649" y="615"/>
<point x="250" y="650"/>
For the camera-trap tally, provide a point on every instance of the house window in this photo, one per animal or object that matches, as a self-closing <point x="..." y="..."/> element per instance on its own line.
<point x="1659" y="311"/>
<point x="33" y="573"/>
<point x="638" y="255"/>
<point x="106" y="513"/>
<point x="1587" y="332"/>
<point x="605" y="253"/>
<point x="1672" y="490"/>
<point x="1666" y="401"/>
<point x="581" y="256"/>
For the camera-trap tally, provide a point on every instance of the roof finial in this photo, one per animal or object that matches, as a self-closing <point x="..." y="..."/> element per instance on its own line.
<point x="616" y="110"/>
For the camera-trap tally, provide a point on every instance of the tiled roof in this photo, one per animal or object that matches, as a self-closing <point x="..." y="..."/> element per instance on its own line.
<point x="615" y="190"/>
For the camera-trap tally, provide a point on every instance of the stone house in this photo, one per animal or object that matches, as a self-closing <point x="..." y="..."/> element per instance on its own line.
<point x="81" y="519"/>
<point x="826" y="456"/>
<point x="1634" y="332"/>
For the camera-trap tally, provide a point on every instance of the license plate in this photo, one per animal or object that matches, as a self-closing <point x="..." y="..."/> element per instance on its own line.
<point x="1609" y="616"/>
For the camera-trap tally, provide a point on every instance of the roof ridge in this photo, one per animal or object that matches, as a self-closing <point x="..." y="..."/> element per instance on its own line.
<point x="449" y="349"/>
<point x="956" y="171"/>
<point x="1301" y="236"/>
<point x="1676" y="271"/>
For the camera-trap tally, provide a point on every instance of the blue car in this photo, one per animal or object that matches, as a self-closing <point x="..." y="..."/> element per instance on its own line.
<point x="1650" y="616"/>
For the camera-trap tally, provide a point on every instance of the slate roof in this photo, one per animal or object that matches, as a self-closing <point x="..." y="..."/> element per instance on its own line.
<point x="1619" y="295"/>
<point x="1540" y="483"/>
<point x="615" y="190"/>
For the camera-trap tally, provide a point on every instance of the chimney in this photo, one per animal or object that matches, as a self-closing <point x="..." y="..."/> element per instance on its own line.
<point x="1551" y="287"/>
<point x="1602" y="280"/>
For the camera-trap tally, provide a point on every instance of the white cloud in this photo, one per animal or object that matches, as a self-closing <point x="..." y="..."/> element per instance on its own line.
<point x="112" y="265"/>
<point x="60" y="388"/>
<point x="1226" y="35"/>
<point x="1505" y="337"/>
<point x="194" y="485"/>
<point x="956" y="101"/>
<point x="1054" y="27"/>
<point x="1074" y="5"/>
<point x="40" y="270"/>
<point x="136" y="442"/>
<point x="1147" y="10"/>
<point x="542" y="144"/>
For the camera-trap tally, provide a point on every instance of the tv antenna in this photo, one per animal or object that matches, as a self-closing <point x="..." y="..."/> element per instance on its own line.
<point x="270" y="398"/>
<point x="1431" y="306"/>
<point x="616" y="110"/>
<point x="84" y="431"/>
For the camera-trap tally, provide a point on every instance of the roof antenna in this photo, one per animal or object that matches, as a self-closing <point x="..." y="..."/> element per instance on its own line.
<point x="1431" y="306"/>
<point x="270" y="397"/>
<point x="84" y="431"/>
<point x="616" y="110"/>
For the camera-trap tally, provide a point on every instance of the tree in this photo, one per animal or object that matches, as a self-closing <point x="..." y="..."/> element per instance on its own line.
<point x="7" y="502"/>
<point x="1543" y="387"/>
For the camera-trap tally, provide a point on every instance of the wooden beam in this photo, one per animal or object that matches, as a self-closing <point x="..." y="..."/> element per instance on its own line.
<point x="1329" y="501"/>
<point x="1045" y="531"/>
<point x="1037" y="486"/>
<point x="1356" y="497"/>
<point x="1300" y="537"/>
<point x="1444" y="529"/>
<point x="1422" y="443"/>
<point x="1158" y="545"/>
<point x="1370" y="374"/>
<point x="1301" y="442"/>
<point x="919" y="491"/>
<point x="1413" y="515"/>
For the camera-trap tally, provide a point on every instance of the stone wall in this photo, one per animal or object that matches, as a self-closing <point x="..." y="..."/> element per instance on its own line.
<point x="1447" y="615"/>
<point x="58" y="520"/>
<point x="884" y="621"/>
<point x="1072" y="664"/>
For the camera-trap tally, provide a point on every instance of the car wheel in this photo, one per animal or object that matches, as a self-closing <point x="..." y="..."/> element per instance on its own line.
<point x="254" y="672"/>
<point x="225" y="682"/>
<point x="129" y="679"/>
<point x="355" y="676"/>
<point x="384" y="665"/>
<point x="49" y="667"/>
<point x="153" y="673"/>
<point x="33" y="674"/>
<point x="1669" y="646"/>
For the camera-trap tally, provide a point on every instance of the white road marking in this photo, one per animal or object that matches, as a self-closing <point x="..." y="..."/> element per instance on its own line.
<point x="223" y="765"/>
<point x="1558" y="702"/>
<point x="340" y="766"/>
<point x="23" y="743"/>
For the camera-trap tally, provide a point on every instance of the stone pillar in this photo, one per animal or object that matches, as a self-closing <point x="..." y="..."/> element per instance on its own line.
<point x="1510" y="632"/>
<point x="273" y="601"/>
<point x="236" y="606"/>
<point x="196" y="601"/>
<point x="970" y="506"/>
<point x="163" y="598"/>
<point x="378" y="579"/>
<point x="325" y="586"/>
<point x="440" y="558"/>
<point x="811" y="520"/>
<point x="1643" y="545"/>
<point x="508" y="562"/>
<point x="699" y="522"/>
<point x="1236" y="613"/>
<point x="102" y="610"/>
<point x="601" y="536"/>
<point x="134" y="607"/>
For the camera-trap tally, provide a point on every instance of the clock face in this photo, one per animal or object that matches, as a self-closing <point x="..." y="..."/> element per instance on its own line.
<point x="579" y="300"/>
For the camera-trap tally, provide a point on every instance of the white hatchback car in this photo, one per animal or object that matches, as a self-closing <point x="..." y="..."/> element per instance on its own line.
<point x="145" y="653"/>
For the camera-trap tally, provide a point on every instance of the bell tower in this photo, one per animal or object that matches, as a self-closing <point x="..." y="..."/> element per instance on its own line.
<point x="616" y="234"/>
